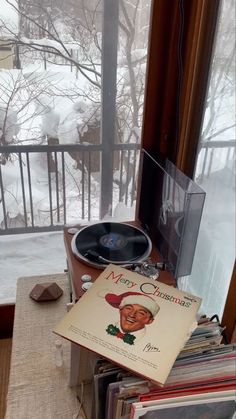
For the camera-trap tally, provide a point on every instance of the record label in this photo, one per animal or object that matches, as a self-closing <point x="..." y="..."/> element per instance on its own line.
<point x="103" y="243"/>
<point x="113" y="241"/>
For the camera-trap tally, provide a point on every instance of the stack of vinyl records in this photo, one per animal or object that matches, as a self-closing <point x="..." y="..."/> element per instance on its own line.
<point x="201" y="384"/>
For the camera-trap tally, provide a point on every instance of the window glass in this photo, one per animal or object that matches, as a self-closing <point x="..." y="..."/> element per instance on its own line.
<point x="73" y="72"/>
<point x="131" y="69"/>
<point x="215" y="173"/>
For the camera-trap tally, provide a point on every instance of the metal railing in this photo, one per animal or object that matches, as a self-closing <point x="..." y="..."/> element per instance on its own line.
<point x="44" y="187"/>
<point x="211" y="151"/>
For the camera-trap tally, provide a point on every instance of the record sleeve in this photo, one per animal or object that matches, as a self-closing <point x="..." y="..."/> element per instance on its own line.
<point x="134" y="321"/>
<point x="216" y="405"/>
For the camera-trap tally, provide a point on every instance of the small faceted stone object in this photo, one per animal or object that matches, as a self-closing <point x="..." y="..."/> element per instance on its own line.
<point x="47" y="291"/>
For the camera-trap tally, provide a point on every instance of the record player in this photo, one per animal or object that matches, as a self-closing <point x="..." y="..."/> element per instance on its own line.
<point x="159" y="243"/>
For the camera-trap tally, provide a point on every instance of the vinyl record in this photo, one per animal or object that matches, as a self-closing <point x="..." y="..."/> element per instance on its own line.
<point x="104" y="243"/>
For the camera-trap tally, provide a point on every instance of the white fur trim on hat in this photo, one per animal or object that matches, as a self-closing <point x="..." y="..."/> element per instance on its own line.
<point x="142" y="300"/>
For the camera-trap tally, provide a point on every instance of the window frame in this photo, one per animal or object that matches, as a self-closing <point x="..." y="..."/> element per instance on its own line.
<point x="176" y="85"/>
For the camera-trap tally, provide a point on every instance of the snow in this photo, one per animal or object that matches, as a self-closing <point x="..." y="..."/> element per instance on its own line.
<point x="11" y="127"/>
<point x="27" y="255"/>
<point x="215" y="251"/>
<point x="38" y="254"/>
<point x="9" y="16"/>
<point x="45" y="102"/>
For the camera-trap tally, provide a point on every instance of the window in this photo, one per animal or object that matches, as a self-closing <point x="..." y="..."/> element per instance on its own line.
<point x="177" y="82"/>
<point x="78" y="78"/>
<point x="215" y="173"/>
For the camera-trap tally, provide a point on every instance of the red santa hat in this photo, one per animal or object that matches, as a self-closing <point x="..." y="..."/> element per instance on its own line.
<point x="119" y="301"/>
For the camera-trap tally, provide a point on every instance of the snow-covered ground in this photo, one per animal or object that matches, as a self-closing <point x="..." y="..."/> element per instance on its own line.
<point x="27" y="255"/>
<point x="38" y="254"/>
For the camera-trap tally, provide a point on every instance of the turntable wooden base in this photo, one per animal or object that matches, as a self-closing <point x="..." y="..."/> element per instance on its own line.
<point x="77" y="268"/>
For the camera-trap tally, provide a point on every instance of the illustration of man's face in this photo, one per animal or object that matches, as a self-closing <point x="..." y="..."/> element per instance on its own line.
<point x="134" y="317"/>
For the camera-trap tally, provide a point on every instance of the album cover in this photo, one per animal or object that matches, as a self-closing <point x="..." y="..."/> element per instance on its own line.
<point x="101" y="382"/>
<point x="212" y="405"/>
<point x="127" y="387"/>
<point x="201" y="390"/>
<point x="134" y="321"/>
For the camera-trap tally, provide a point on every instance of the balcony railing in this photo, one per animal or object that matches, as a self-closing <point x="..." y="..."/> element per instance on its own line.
<point x="44" y="187"/>
<point x="216" y="155"/>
